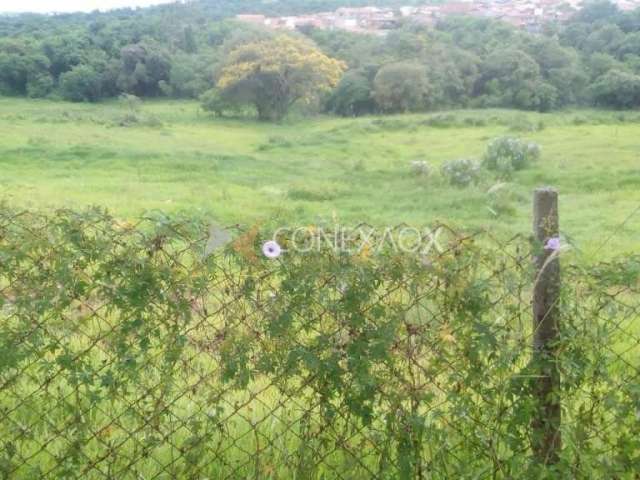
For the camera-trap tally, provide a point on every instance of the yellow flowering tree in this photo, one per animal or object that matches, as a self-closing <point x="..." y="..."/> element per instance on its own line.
<point x="272" y="74"/>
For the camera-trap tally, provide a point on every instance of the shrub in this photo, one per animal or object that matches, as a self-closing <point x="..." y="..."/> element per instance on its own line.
<point x="461" y="172"/>
<point x="508" y="154"/>
<point x="421" y="168"/>
<point x="616" y="89"/>
<point x="81" y="84"/>
<point x="130" y="102"/>
<point x="354" y="95"/>
<point x="40" y="86"/>
<point x="214" y="102"/>
<point x="128" y="119"/>
<point x="401" y="87"/>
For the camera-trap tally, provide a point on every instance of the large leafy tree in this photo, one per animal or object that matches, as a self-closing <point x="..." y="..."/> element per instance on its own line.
<point x="617" y="89"/>
<point x="67" y="51"/>
<point x="22" y="67"/>
<point x="354" y="94"/>
<point x="142" y="68"/>
<point x="179" y="50"/>
<point x="81" y="84"/>
<point x="272" y="74"/>
<point x="511" y="78"/>
<point x="190" y="76"/>
<point x="597" y="11"/>
<point x="401" y="87"/>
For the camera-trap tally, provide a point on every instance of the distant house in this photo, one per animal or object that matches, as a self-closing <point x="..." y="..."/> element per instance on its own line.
<point x="527" y="14"/>
<point x="457" y="8"/>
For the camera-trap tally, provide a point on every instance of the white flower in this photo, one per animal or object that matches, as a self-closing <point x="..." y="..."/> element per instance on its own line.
<point x="271" y="249"/>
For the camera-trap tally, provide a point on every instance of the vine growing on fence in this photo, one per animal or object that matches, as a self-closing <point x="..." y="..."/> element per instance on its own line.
<point x="131" y="350"/>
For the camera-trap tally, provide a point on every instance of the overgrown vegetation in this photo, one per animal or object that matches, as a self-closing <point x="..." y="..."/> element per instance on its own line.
<point x="462" y="172"/>
<point x="134" y="156"/>
<point x="272" y="74"/>
<point x="141" y="339"/>
<point x="506" y="155"/>
<point x="157" y="348"/>
<point x="184" y="51"/>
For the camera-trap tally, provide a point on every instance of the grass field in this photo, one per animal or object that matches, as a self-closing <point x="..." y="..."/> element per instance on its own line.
<point x="172" y="157"/>
<point x="77" y="399"/>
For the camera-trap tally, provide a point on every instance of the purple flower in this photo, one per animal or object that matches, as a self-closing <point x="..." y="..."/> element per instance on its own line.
<point x="553" y="244"/>
<point x="271" y="249"/>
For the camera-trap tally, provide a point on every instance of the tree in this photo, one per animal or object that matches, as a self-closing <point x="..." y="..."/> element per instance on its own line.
<point x="40" y="86"/>
<point x="354" y="94"/>
<point x="537" y="95"/>
<point x="356" y="49"/>
<point x="630" y="21"/>
<point x="219" y="32"/>
<point x="401" y="87"/>
<point x="81" y="84"/>
<point x="189" y="42"/>
<point x="403" y="44"/>
<point x="617" y="89"/>
<point x="549" y="54"/>
<point x="575" y="35"/>
<point x="67" y="51"/>
<point x="609" y="38"/>
<point x="273" y="74"/>
<point x="185" y="50"/>
<point x="632" y="63"/>
<point x="570" y="84"/>
<point x="564" y="79"/>
<point x="244" y="35"/>
<point x="452" y="75"/>
<point x="21" y="64"/>
<point x="510" y="78"/>
<point x="212" y="102"/>
<point x="191" y="75"/>
<point x="600" y="63"/>
<point x="597" y="11"/>
<point x="479" y="35"/>
<point x="142" y="67"/>
<point x="630" y="45"/>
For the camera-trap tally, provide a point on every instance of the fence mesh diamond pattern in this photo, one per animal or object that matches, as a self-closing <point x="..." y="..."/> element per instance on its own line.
<point x="131" y="351"/>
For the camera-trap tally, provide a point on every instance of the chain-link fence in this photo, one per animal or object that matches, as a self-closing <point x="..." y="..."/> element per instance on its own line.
<point x="139" y="351"/>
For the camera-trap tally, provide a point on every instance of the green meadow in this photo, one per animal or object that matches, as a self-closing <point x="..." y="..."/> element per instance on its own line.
<point x="189" y="414"/>
<point x="170" y="156"/>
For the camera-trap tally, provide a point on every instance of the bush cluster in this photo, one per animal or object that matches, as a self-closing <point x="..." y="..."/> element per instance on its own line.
<point x="503" y="156"/>
<point x="506" y="155"/>
<point x="461" y="172"/>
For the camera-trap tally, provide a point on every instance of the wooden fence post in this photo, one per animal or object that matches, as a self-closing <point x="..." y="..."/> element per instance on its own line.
<point x="547" y="441"/>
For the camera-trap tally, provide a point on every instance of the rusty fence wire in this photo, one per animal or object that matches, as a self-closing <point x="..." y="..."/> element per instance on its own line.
<point x="136" y="350"/>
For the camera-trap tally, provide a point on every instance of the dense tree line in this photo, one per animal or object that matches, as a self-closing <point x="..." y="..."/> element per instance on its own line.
<point x="187" y="51"/>
<point x="592" y="60"/>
